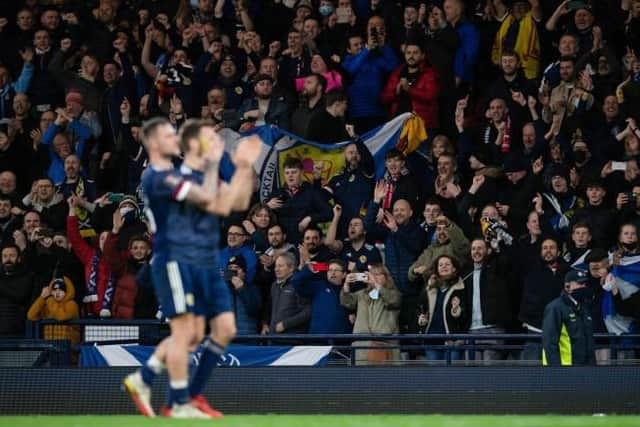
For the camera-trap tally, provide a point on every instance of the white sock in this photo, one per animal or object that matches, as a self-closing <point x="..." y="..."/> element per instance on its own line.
<point x="177" y="385"/>
<point x="155" y="365"/>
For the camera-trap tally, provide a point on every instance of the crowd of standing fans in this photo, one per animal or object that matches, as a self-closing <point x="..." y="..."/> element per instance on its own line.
<point x="530" y="170"/>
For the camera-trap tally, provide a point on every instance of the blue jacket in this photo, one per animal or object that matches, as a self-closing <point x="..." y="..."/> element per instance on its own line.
<point x="247" y="253"/>
<point x="8" y="91"/>
<point x="327" y="315"/>
<point x="369" y="73"/>
<point x="467" y="53"/>
<point x="246" y="308"/>
<point x="56" y="168"/>
<point x="401" y="248"/>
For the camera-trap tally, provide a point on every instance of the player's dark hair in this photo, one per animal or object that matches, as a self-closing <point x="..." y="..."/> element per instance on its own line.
<point x="191" y="130"/>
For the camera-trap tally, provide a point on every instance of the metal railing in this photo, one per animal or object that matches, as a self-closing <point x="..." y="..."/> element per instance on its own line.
<point x="150" y="332"/>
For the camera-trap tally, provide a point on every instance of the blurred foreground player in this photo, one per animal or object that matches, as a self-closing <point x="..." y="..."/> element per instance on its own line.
<point x="177" y="275"/>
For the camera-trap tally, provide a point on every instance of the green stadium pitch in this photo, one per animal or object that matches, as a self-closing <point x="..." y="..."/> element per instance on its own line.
<point x="598" y="420"/>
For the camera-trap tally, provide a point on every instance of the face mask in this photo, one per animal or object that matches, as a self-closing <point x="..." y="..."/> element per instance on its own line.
<point x="374" y="294"/>
<point x="125" y="210"/>
<point x="326" y="10"/>
<point x="580" y="156"/>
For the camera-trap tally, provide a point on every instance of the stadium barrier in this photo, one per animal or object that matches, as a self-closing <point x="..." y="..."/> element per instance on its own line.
<point x="341" y="390"/>
<point x="472" y="346"/>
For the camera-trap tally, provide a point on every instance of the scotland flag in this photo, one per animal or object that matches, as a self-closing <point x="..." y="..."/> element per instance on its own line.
<point x="404" y="132"/>
<point x="236" y="355"/>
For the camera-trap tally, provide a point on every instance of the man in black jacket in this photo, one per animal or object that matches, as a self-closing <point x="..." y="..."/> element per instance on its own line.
<point x="488" y="292"/>
<point x="567" y="331"/>
<point x="297" y="203"/>
<point x="16" y="289"/>
<point x="542" y="283"/>
<point x="290" y="313"/>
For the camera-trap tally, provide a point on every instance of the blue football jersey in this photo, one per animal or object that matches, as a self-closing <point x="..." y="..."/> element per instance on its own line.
<point x="182" y="232"/>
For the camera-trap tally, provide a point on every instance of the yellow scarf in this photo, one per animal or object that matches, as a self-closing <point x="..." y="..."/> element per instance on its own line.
<point x="527" y="44"/>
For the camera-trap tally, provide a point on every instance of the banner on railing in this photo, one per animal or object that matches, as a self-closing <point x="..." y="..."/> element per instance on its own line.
<point x="236" y="355"/>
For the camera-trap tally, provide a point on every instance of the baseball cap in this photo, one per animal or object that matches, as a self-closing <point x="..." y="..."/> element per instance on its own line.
<point x="578" y="276"/>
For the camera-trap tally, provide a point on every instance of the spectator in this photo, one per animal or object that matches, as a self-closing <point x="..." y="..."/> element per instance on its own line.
<point x="99" y="280"/>
<point x="259" y="219"/>
<point x="567" y="331"/>
<point x="443" y="305"/>
<point x="368" y="66"/>
<point x="51" y="205"/>
<point x="403" y="240"/>
<point x="129" y="300"/>
<point x="519" y="33"/>
<point x="264" y="108"/>
<point x="56" y="302"/>
<point x="311" y="102"/>
<point x="16" y="290"/>
<point x="245" y="296"/>
<point x="542" y="283"/>
<point x="237" y="239"/>
<point x="289" y="312"/>
<point x="353" y="250"/>
<point x="8" y="88"/>
<point x="327" y="125"/>
<point x="297" y="204"/>
<point x="9" y="223"/>
<point x="400" y="182"/>
<point x="488" y="294"/>
<point x="352" y="187"/>
<point x="327" y="315"/>
<point x="377" y="307"/>
<point x="413" y="87"/>
<point x="313" y="248"/>
<point x="467" y="52"/>
<point x="61" y="145"/>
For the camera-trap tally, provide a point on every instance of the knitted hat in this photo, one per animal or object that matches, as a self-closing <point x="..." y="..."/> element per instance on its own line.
<point x="129" y="200"/>
<point x="58" y="283"/>
<point x="74" y="96"/>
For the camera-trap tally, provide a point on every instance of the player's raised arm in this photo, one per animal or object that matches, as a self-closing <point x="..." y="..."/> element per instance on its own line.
<point x="237" y="195"/>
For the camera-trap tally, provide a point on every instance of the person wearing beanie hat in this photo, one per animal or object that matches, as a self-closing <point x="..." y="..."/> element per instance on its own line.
<point x="567" y="326"/>
<point x="559" y="201"/>
<point x="56" y="301"/>
<point x="245" y="295"/>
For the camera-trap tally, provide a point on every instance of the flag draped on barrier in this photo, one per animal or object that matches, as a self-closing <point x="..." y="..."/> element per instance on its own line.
<point x="405" y="132"/>
<point x="236" y="355"/>
<point x="626" y="277"/>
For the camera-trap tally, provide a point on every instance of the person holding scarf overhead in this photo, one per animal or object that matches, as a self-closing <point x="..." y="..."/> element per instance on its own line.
<point x="519" y="33"/>
<point x="100" y="281"/>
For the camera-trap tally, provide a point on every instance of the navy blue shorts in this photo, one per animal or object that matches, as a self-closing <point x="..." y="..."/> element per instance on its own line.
<point x="189" y="288"/>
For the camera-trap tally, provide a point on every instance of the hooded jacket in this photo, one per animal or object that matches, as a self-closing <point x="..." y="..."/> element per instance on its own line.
<point x="49" y="308"/>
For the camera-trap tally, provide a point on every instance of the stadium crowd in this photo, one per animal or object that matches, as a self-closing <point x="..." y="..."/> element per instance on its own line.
<point x="531" y="166"/>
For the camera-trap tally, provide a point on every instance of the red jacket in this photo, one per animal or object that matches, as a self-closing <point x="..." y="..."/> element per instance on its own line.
<point x="85" y="254"/>
<point x="124" y="296"/>
<point x="423" y="94"/>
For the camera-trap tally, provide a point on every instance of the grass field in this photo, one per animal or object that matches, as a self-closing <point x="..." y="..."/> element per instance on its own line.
<point x="326" y="421"/>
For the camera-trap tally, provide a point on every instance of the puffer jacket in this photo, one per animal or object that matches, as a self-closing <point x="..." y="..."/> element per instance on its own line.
<point x="49" y="308"/>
